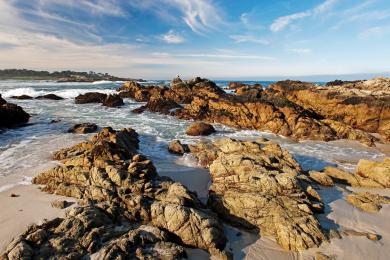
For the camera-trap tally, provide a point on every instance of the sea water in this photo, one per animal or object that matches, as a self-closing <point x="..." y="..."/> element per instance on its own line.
<point x="26" y="151"/>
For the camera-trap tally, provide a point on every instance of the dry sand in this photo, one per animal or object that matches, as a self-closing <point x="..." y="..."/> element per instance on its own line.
<point x="31" y="206"/>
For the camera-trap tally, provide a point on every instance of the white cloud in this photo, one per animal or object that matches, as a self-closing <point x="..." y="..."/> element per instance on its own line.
<point x="248" y="38"/>
<point x="172" y="37"/>
<point x="301" y="50"/>
<point x="375" y="32"/>
<point x="200" y="16"/>
<point x="282" y="22"/>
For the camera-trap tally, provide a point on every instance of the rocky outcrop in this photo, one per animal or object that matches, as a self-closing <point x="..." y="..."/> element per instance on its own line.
<point x="50" y="96"/>
<point x="113" y="100"/>
<point x="376" y="171"/>
<point x="12" y="115"/>
<point x="84" y="128"/>
<point x="159" y="105"/>
<point x="200" y="128"/>
<point x="256" y="185"/>
<point x="90" y="230"/>
<point x="321" y="178"/>
<point x="363" y="105"/>
<point x="351" y="179"/>
<point x="90" y="97"/>
<point x="367" y="201"/>
<point x="22" y="97"/>
<point x="120" y="190"/>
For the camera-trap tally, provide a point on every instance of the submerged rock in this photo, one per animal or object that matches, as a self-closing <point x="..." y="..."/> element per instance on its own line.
<point x="83" y="128"/>
<point x="120" y="190"/>
<point x="200" y="128"/>
<point x="113" y="100"/>
<point x="90" y="97"/>
<point x="22" y="97"/>
<point x="367" y="201"/>
<point x="50" y="96"/>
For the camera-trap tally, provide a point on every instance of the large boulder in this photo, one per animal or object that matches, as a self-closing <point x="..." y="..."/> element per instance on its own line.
<point x="257" y="186"/>
<point x="113" y="100"/>
<point x="121" y="190"/>
<point x="200" y="128"/>
<point x="12" y="115"/>
<point x="90" y="97"/>
<point x="22" y="97"/>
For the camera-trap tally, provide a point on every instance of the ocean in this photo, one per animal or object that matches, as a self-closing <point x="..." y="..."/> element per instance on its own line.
<point x="26" y="151"/>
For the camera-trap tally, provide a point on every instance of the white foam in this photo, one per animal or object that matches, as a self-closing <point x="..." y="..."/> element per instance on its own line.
<point x="65" y="93"/>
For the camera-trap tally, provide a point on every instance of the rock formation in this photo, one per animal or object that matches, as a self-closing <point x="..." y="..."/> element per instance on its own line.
<point x="12" y="115"/>
<point x="113" y="100"/>
<point x="275" y="109"/>
<point x="363" y="105"/>
<point x="257" y="185"/>
<point x="376" y="171"/>
<point x="22" y="97"/>
<point x="90" y="97"/>
<point x="50" y="96"/>
<point x="159" y="105"/>
<point x="367" y="201"/>
<point x="120" y="192"/>
<point x="83" y="128"/>
<point x="200" y="128"/>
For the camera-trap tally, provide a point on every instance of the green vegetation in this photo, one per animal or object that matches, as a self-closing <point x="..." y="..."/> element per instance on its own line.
<point x="63" y="76"/>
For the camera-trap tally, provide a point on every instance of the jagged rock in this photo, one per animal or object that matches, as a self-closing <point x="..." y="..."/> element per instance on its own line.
<point x="160" y="105"/>
<point x="321" y="178"/>
<point x="22" y="97"/>
<point x="116" y="183"/>
<point x="351" y="179"/>
<point x="364" y="105"/>
<point x="200" y="128"/>
<point x="50" y="96"/>
<point x="256" y="185"/>
<point x="89" y="230"/>
<point x="12" y="115"/>
<point x="376" y="171"/>
<point x="90" y="97"/>
<point x="83" y="128"/>
<point x="177" y="147"/>
<point x="367" y="201"/>
<point x="113" y="100"/>
<point x="322" y="256"/>
<point x="60" y="204"/>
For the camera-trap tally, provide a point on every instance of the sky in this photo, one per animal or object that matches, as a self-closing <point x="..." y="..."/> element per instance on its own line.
<point x="231" y="39"/>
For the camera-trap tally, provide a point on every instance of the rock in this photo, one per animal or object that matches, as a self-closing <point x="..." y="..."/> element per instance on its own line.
<point x="50" y="96"/>
<point x="113" y="100"/>
<point x="60" y="204"/>
<point x="351" y="179"/>
<point x="83" y="128"/>
<point x="176" y="147"/>
<point x="322" y="256"/>
<point x="376" y="171"/>
<point x="321" y="178"/>
<point x="363" y="105"/>
<point x="2" y="101"/>
<point x="13" y="195"/>
<point x="200" y="128"/>
<point x="256" y="186"/>
<point x="160" y="105"/>
<point x="90" y="97"/>
<point x="12" y="115"/>
<point x="120" y="190"/>
<point x="22" y="97"/>
<point x="367" y="201"/>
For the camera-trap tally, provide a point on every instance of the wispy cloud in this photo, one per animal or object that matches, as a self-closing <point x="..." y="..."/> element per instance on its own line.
<point x="248" y="38"/>
<point x="282" y="22"/>
<point x="375" y="32"/>
<point x="172" y="37"/>
<point x="218" y="55"/>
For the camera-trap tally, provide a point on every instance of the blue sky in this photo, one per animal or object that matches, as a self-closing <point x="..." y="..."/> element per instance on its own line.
<point x="158" y="39"/>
